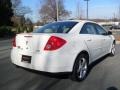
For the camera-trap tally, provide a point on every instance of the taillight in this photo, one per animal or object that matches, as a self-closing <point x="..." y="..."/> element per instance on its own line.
<point x="14" y="42"/>
<point x="54" y="43"/>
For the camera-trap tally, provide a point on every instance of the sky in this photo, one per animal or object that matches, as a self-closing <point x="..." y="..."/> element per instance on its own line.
<point x="97" y="8"/>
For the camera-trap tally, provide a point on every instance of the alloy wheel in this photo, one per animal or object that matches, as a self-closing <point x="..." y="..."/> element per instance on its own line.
<point x="82" y="68"/>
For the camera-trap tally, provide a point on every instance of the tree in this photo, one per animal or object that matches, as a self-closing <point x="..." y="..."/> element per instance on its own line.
<point x="119" y="13"/>
<point x="79" y="11"/>
<point x="29" y="25"/>
<point x="6" y="12"/>
<point x="19" y="16"/>
<point x="19" y="9"/>
<point x="15" y="5"/>
<point x="114" y="19"/>
<point x="48" y="11"/>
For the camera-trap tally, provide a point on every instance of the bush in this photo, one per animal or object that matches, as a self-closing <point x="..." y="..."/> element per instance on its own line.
<point x="6" y="31"/>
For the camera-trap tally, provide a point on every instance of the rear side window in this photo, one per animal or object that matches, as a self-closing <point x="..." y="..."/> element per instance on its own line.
<point x="57" y="27"/>
<point x="88" y="28"/>
<point x="100" y="30"/>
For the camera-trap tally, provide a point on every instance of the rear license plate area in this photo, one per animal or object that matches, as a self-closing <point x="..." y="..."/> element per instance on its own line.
<point x="26" y="59"/>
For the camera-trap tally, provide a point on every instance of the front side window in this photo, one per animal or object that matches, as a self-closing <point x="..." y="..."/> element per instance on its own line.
<point x="88" y="28"/>
<point x="57" y="27"/>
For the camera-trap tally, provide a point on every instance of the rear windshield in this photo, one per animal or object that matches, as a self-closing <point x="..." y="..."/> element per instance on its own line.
<point x="57" y="27"/>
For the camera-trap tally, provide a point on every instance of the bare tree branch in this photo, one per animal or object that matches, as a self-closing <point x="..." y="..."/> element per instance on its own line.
<point x="48" y="11"/>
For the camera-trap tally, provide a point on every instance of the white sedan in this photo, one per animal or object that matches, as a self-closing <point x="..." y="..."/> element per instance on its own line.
<point x="66" y="46"/>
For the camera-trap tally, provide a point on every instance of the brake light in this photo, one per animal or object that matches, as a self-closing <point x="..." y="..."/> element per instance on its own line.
<point x="14" y="42"/>
<point x="54" y="43"/>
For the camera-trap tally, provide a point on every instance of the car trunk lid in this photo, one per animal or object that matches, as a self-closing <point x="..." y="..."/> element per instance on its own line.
<point x="31" y="42"/>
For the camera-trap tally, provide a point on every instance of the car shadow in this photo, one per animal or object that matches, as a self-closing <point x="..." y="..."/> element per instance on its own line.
<point x="61" y="75"/>
<point x="65" y="75"/>
<point x="112" y="88"/>
<point x="96" y="62"/>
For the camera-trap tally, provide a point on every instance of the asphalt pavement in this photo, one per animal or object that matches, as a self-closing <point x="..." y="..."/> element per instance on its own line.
<point x="104" y="75"/>
<point x="5" y="44"/>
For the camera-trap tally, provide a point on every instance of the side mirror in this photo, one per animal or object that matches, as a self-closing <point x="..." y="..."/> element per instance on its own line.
<point x="109" y="33"/>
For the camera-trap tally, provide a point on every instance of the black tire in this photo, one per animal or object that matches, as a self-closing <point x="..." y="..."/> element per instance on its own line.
<point x="77" y="70"/>
<point x="112" y="53"/>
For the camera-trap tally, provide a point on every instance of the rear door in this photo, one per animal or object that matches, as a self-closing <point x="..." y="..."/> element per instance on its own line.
<point x="92" y="40"/>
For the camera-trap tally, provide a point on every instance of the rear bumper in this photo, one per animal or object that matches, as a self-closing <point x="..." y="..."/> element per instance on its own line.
<point x="45" y="62"/>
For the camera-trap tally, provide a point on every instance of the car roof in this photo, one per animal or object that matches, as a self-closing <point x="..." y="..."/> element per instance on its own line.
<point x="79" y="21"/>
<point x="83" y="21"/>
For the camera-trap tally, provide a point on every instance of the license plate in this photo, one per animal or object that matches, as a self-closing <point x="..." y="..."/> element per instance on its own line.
<point x="26" y="59"/>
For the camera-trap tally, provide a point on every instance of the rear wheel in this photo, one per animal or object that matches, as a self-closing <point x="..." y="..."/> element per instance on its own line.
<point x="112" y="53"/>
<point x="80" y="68"/>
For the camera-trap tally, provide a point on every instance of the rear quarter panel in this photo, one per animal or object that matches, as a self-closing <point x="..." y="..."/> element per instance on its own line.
<point x="75" y="44"/>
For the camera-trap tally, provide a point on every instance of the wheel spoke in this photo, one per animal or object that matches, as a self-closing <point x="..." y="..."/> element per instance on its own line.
<point x="113" y="49"/>
<point x="82" y="68"/>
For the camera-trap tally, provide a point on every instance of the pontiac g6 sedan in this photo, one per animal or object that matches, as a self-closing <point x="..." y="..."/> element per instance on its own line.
<point x="66" y="46"/>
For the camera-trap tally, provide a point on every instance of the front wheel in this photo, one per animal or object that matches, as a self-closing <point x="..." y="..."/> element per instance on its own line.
<point x="80" y="68"/>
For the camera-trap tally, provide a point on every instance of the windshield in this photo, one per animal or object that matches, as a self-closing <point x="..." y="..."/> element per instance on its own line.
<point x="57" y="27"/>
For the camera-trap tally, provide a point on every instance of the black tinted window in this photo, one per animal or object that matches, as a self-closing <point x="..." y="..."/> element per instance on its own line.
<point x="88" y="28"/>
<point x="100" y="30"/>
<point x="57" y="27"/>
